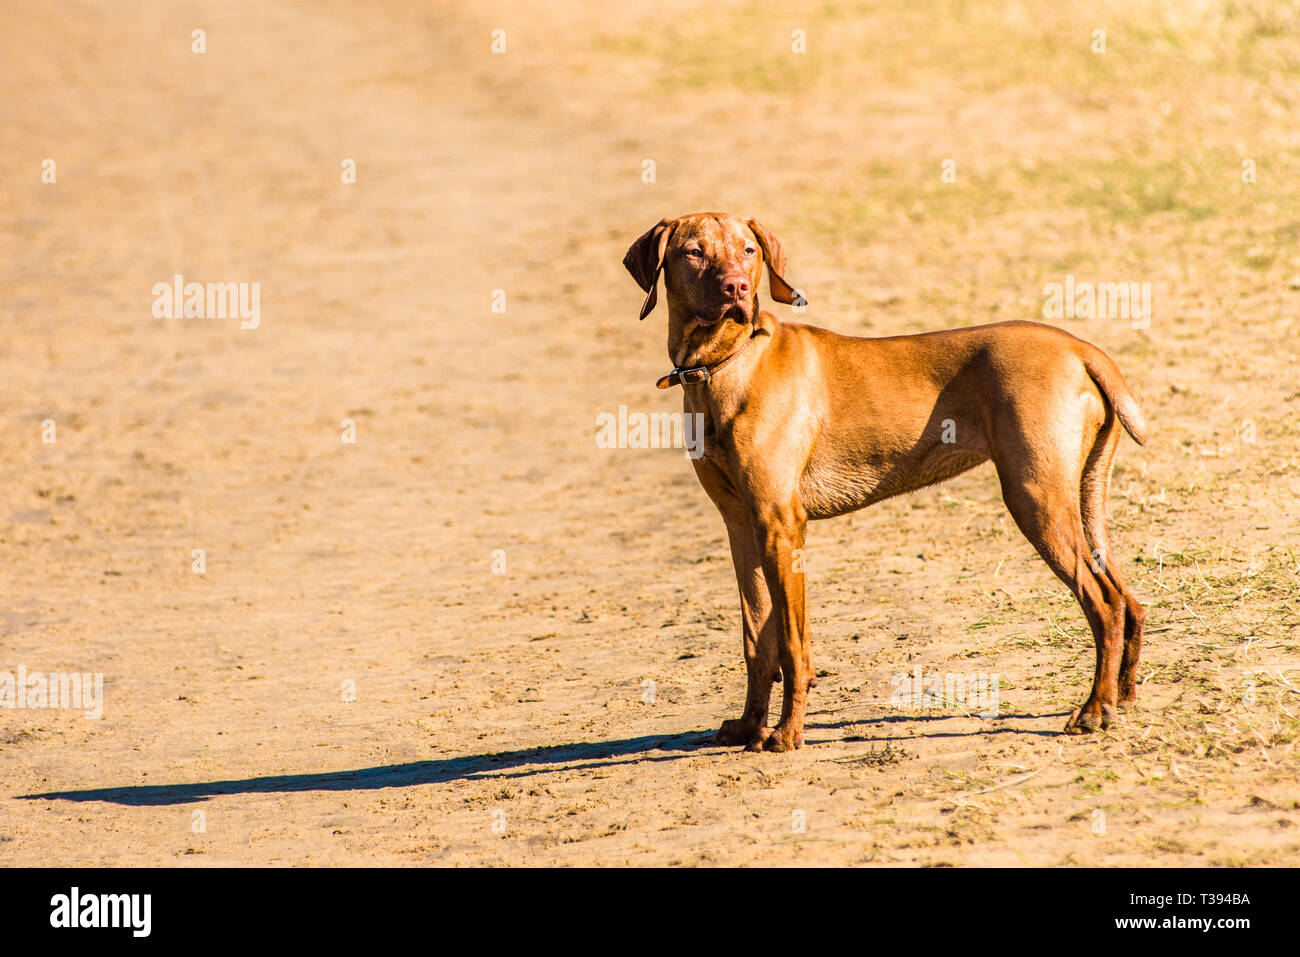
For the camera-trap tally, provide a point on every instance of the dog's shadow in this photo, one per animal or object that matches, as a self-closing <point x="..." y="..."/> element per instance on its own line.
<point x="523" y="763"/>
<point x="502" y="764"/>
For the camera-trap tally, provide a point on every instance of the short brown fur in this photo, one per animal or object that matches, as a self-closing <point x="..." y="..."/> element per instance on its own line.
<point x="807" y="424"/>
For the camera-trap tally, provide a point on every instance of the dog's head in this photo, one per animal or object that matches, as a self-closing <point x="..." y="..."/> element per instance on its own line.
<point x="711" y="264"/>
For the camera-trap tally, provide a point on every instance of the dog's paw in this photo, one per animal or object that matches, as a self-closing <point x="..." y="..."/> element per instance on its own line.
<point x="736" y="732"/>
<point x="1091" y="717"/>
<point x="783" y="738"/>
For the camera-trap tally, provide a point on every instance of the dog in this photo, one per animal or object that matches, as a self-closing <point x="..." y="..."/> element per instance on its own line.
<point x="803" y="424"/>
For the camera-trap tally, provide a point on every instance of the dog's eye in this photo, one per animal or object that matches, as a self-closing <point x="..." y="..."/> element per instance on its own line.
<point x="694" y="251"/>
<point x="749" y="250"/>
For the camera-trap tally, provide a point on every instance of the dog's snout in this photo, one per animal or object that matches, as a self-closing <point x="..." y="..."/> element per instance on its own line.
<point x="735" y="286"/>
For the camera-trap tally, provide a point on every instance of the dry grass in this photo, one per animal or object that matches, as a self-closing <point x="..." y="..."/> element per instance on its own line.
<point x="523" y="693"/>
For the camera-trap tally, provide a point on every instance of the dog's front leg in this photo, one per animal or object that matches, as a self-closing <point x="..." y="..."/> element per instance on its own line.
<point x="779" y="534"/>
<point x="759" y="630"/>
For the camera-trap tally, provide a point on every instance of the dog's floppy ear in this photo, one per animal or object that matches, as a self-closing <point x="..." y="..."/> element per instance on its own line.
<point x="645" y="260"/>
<point x="774" y="257"/>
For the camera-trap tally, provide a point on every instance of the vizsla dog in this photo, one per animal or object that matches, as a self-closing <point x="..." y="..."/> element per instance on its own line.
<point x="802" y="423"/>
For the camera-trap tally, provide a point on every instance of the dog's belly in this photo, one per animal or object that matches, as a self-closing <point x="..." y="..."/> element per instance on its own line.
<point x="836" y="484"/>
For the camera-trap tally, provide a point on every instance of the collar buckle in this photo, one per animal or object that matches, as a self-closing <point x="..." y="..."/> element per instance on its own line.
<point x="696" y="374"/>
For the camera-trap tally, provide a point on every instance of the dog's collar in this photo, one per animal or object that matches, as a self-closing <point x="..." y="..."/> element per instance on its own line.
<point x="693" y="374"/>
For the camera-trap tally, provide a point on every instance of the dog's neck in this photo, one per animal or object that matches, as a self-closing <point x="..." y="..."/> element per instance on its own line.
<point x="691" y="345"/>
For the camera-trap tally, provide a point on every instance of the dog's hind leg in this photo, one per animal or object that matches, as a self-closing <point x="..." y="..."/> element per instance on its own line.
<point x="1094" y="488"/>
<point x="1041" y="487"/>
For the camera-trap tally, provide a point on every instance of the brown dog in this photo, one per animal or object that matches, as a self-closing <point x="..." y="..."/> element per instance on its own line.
<point x="803" y="423"/>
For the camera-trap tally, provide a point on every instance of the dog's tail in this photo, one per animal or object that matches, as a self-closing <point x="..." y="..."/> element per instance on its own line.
<point x="1111" y="382"/>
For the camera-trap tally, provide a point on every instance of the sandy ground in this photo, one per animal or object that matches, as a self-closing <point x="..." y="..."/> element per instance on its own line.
<point x="356" y="679"/>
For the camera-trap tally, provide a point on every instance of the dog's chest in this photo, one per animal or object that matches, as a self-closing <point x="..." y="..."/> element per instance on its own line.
<point x="832" y="484"/>
<point x="840" y="480"/>
<point x="706" y="420"/>
<point x="710" y="438"/>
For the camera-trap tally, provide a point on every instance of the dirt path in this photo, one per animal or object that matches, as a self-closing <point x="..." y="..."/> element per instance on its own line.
<point x="560" y="712"/>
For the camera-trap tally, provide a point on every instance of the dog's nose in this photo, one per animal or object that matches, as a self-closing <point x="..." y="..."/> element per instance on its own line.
<point x="735" y="286"/>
